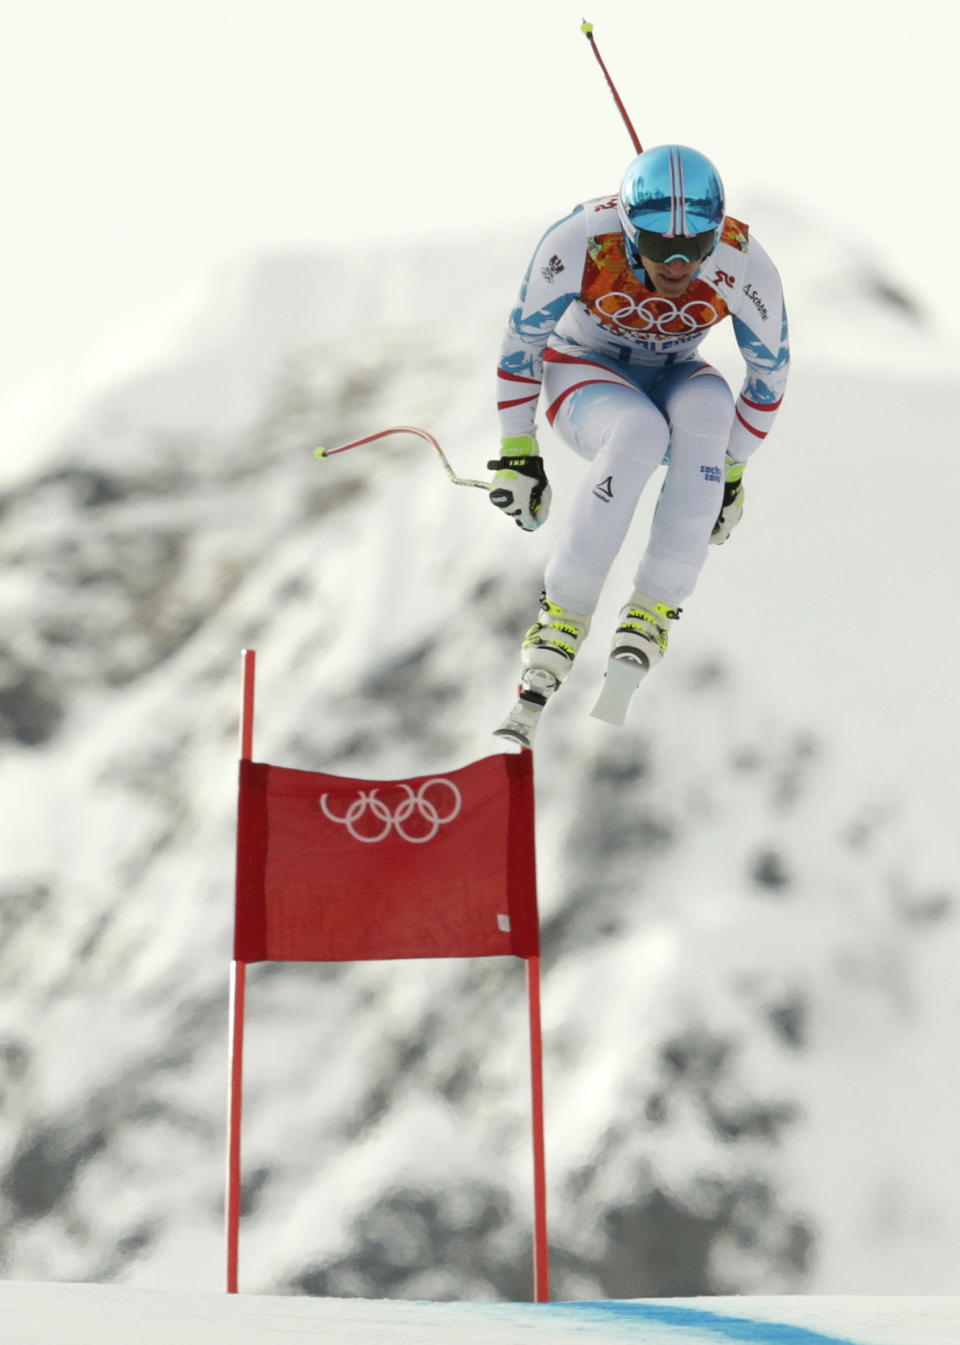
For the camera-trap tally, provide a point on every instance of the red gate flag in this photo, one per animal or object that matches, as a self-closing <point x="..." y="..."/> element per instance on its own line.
<point x="331" y="869"/>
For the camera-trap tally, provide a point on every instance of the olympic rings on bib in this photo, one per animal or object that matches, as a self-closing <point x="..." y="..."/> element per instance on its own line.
<point x="655" y="314"/>
<point x="433" y="814"/>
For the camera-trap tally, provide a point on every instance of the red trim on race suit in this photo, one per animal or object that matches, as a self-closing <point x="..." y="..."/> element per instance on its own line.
<point x="552" y="356"/>
<point x="554" y="407"/>
<point x="516" y="378"/>
<point x="519" y="401"/>
<point x="759" y="434"/>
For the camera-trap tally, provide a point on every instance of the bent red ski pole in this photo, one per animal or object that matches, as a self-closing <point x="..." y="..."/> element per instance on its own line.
<point x="587" y="30"/>
<point x="405" y="429"/>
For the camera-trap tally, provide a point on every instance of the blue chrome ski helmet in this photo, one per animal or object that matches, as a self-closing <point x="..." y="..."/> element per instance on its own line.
<point x="671" y="204"/>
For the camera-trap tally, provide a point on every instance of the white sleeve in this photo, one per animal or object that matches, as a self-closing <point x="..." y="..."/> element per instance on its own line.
<point x="760" y="325"/>
<point x="553" y="280"/>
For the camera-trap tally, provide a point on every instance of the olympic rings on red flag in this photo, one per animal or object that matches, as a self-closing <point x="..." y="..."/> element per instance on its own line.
<point x="432" y="813"/>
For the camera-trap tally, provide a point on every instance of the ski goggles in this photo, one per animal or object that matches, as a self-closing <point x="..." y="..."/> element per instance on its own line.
<point x="660" y="248"/>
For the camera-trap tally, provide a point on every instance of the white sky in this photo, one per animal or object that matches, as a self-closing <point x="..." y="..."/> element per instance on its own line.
<point x="144" y="141"/>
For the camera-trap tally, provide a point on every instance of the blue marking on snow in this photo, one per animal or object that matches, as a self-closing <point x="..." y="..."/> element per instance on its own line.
<point x="746" y="1330"/>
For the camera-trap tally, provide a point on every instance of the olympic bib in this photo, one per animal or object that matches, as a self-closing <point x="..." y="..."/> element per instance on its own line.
<point x="614" y="297"/>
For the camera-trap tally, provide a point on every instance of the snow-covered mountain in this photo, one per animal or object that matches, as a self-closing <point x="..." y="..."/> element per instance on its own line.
<point x="749" y="894"/>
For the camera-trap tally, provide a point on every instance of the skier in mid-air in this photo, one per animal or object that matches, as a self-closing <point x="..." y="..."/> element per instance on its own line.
<point x="614" y="306"/>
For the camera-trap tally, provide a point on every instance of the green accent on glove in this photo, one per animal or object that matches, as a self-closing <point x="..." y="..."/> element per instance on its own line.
<point x="733" y="470"/>
<point x="519" y="446"/>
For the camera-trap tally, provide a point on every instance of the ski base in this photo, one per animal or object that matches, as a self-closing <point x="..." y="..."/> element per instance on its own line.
<point x="520" y="725"/>
<point x="624" y="674"/>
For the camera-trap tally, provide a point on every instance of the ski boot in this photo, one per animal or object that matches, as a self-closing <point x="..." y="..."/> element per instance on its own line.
<point x="639" y="642"/>
<point x="549" y="648"/>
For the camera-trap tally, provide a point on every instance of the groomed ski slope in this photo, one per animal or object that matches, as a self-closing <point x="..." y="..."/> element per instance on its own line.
<point x="86" y="1314"/>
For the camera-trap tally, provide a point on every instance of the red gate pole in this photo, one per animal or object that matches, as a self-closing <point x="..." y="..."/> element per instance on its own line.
<point x="238" y="985"/>
<point x="249" y="657"/>
<point x="238" y="976"/>
<point x="541" y="1251"/>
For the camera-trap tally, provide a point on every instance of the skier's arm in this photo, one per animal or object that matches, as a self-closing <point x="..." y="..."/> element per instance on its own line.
<point x="552" y="282"/>
<point x="760" y="325"/>
<point x="520" y="487"/>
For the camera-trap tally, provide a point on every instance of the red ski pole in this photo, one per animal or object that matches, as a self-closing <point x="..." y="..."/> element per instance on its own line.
<point x="405" y="429"/>
<point x="587" y="30"/>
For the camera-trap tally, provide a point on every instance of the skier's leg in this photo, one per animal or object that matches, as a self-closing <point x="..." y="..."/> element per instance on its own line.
<point x="619" y="430"/>
<point x="616" y="427"/>
<point x="699" y="407"/>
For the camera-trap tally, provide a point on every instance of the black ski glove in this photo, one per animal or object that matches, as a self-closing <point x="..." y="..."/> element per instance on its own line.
<point x="520" y="487"/>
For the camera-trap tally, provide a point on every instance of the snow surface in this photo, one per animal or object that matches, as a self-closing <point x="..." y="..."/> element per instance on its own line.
<point x="92" y="1315"/>
<point x="749" y="894"/>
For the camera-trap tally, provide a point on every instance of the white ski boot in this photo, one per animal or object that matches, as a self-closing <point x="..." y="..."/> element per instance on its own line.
<point x="639" y="643"/>
<point x="549" y="648"/>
